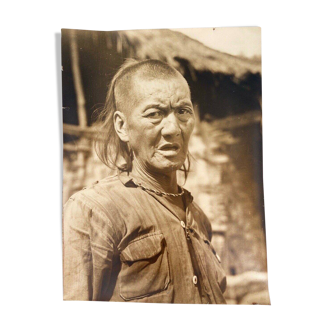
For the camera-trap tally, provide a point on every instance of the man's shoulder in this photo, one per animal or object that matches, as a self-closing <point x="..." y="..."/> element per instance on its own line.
<point x="98" y="206"/>
<point x="199" y="211"/>
<point x="110" y="183"/>
<point x="102" y="194"/>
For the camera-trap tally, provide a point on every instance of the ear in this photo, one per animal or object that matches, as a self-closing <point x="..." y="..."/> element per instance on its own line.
<point x="120" y="125"/>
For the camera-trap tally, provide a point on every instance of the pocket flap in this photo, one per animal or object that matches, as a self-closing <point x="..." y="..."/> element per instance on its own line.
<point x="143" y="248"/>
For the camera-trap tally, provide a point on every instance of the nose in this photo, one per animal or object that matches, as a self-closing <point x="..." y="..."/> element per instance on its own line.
<point x="170" y="126"/>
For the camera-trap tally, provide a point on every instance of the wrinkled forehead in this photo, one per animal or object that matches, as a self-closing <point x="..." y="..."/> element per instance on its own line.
<point x="143" y="86"/>
<point x="171" y="87"/>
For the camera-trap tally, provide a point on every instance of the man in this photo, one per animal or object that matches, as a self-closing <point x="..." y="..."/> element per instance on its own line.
<point x="138" y="236"/>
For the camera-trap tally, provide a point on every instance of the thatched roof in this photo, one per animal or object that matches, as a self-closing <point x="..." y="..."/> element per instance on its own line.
<point x="180" y="51"/>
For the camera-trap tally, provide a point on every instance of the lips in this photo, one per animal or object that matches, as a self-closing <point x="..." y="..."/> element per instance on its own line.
<point x="169" y="147"/>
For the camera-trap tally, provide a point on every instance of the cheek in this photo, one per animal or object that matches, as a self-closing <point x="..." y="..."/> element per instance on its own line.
<point x="187" y="130"/>
<point x="143" y="137"/>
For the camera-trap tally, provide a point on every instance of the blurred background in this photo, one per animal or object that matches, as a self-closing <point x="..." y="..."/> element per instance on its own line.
<point x="223" y="69"/>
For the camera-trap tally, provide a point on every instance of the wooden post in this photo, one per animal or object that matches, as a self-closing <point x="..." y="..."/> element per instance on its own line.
<point x="81" y="111"/>
<point x="75" y="63"/>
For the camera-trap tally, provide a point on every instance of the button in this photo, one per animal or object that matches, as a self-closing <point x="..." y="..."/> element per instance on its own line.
<point x="218" y="258"/>
<point x="183" y="224"/>
<point x="195" y="280"/>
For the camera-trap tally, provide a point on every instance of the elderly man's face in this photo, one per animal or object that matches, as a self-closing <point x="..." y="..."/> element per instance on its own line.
<point x="160" y="123"/>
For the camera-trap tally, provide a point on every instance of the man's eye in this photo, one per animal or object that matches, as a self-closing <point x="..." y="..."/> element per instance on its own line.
<point x="155" y="115"/>
<point x="184" y="114"/>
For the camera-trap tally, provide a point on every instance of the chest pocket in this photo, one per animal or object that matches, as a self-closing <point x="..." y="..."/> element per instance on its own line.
<point x="145" y="269"/>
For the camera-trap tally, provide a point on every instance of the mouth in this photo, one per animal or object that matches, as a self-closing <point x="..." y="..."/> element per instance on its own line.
<point x="169" y="148"/>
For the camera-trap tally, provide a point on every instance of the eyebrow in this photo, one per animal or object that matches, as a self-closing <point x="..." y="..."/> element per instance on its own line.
<point x="183" y="103"/>
<point x="161" y="106"/>
<point x="155" y="105"/>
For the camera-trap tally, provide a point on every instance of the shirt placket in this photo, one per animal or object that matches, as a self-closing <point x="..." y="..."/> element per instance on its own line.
<point x="197" y="278"/>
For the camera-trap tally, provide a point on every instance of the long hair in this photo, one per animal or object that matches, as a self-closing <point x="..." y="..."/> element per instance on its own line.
<point x="113" y="152"/>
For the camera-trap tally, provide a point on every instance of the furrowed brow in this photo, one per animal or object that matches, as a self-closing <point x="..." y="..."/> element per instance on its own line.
<point x="155" y="105"/>
<point x="183" y="103"/>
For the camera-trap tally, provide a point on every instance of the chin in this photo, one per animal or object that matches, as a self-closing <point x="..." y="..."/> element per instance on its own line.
<point x="168" y="167"/>
<point x="163" y="164"/>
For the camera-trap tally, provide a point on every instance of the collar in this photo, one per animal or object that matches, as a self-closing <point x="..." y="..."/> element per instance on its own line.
<point x="127" y="180"/>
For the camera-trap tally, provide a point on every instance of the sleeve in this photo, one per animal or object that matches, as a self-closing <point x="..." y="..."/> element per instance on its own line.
<point x="87" y="253"/>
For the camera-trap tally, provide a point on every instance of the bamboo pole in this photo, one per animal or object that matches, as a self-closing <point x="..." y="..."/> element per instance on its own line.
<point x="78" y="84"/>
<point x="88" y="132"/>
<point x="81" y="111"/>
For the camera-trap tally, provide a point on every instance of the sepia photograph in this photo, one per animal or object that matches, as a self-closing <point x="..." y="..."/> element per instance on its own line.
<point x="162" y="166"/>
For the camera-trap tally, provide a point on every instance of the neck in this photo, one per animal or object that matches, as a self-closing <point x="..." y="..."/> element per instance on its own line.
<point x="154" y="180"/>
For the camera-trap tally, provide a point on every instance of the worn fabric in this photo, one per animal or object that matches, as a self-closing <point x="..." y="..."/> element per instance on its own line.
<point x="122" y="243"/>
